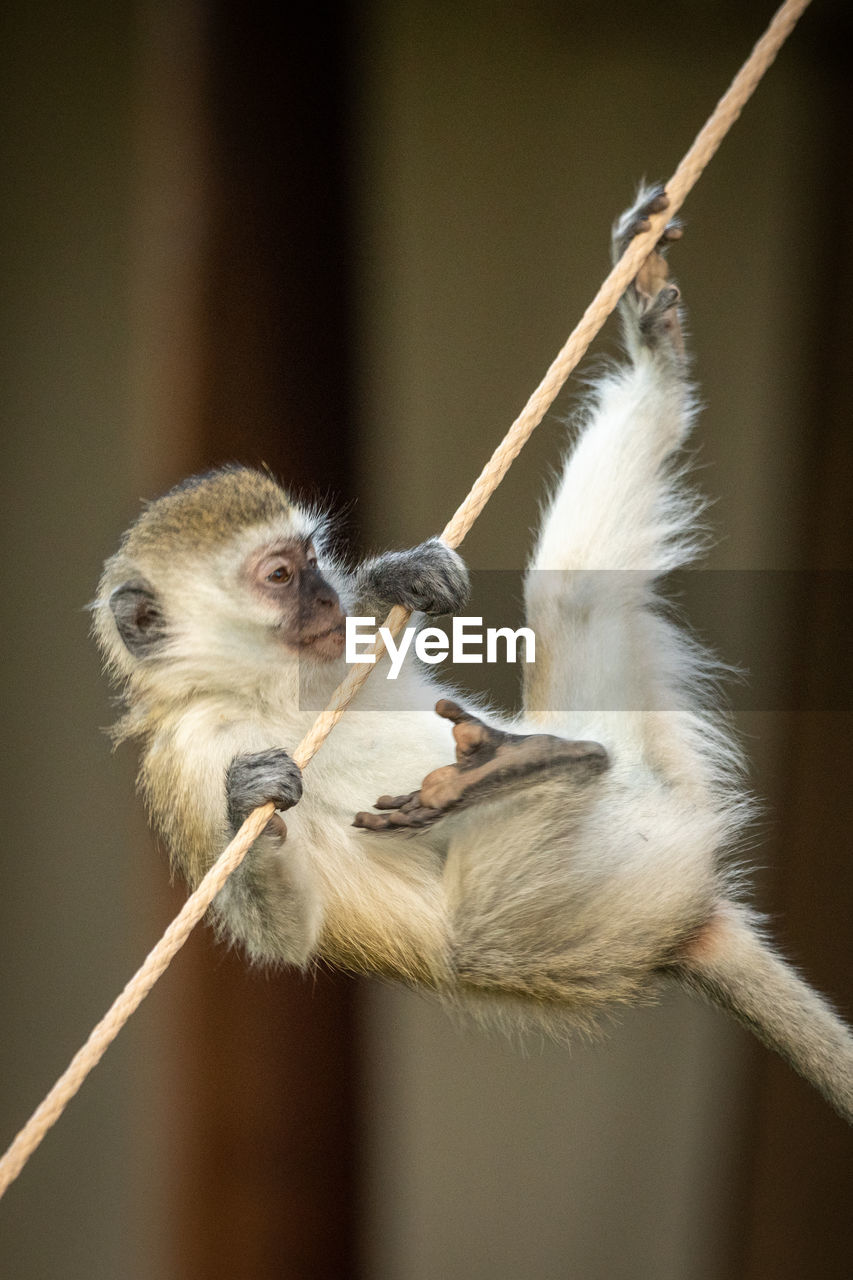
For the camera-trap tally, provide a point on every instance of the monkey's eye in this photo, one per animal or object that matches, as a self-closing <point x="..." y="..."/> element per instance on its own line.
<point x="281" y="574"/>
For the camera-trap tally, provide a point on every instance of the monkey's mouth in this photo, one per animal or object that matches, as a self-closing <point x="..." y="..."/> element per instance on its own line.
<point x="328" y="644"/>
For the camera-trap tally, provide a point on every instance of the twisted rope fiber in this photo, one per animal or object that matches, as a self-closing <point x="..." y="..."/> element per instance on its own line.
<point x="703" y="149"/>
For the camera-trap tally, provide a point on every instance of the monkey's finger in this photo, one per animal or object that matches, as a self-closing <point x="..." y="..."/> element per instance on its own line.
<point x="452" y="711"/>
<point x="396" y="802"/>
<point x="419" y="816"/>
<point x="399" y="818"/>
<point x="371" y="821"/>
<point x="471" y="736"/>
<point x="423" y="817"/>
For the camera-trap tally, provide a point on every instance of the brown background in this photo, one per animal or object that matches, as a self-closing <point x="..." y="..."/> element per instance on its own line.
<point x="348" y="245"/>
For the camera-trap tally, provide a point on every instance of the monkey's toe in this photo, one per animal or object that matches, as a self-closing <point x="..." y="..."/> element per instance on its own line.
<point x="635" y="220"/>
<point x="475" y="740"/>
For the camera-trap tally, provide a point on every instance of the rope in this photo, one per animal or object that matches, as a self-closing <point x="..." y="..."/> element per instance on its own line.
<point x="703" y="149"/>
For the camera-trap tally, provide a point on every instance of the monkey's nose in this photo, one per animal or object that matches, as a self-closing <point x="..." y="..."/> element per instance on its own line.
<point x="326" y="597"/>
<point x="317" y="592"/>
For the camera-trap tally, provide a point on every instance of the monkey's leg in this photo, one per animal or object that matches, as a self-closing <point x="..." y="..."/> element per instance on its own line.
<point x="488" y="761"/>
<point x="617" y="522"/>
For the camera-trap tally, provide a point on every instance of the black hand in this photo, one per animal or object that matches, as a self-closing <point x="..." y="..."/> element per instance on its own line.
<point x="255" y="779"/>
<point x="430" y="578"/>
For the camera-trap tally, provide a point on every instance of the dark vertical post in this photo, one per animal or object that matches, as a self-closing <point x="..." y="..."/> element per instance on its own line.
<point x="268" y="1182"/>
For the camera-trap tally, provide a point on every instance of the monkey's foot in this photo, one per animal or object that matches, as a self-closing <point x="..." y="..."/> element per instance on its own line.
<point x="654" y="297"/>
<point x="487" y="761"/>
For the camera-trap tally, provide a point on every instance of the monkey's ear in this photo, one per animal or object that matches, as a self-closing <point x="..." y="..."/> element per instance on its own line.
<point x="138" y="617"/>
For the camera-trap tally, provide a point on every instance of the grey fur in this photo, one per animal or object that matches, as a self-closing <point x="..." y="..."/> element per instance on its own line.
<point x="253" y="780"/>
<point x="430" y="578"/>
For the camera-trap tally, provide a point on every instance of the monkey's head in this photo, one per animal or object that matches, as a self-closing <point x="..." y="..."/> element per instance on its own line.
<point x="221" y="572"/>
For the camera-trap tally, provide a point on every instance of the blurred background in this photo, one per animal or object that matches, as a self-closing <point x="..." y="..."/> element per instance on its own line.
<point x="347" y="242"/>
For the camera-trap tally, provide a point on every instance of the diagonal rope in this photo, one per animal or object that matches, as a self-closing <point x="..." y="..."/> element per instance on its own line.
<point x="703" y="149"/>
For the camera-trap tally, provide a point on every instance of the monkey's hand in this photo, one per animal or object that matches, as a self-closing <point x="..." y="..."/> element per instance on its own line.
<point x="254" y="780"/>
<point x="487" y="761"/>
<point x="430" y="578"/>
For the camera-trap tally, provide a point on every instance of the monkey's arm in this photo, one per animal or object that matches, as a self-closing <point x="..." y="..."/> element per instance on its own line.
<point x="429" y="578"/>
<point x="200" y="784"/>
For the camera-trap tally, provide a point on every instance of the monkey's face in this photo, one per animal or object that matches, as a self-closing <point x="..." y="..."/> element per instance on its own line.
<point x="249" y="604"/>
<point x="287" y="578"/>
<point x="218" y="581"/>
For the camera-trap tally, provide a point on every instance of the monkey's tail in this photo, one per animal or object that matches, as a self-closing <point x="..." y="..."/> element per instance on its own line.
<point x="731" y="964"/>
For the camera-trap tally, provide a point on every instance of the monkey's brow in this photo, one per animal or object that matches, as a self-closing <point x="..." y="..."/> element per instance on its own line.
<point x="302" y="542"/>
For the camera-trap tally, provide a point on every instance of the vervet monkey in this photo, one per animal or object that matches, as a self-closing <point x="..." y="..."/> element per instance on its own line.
<point x="566" y="861"/>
